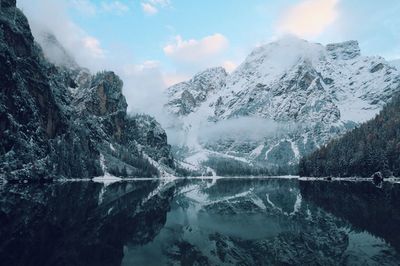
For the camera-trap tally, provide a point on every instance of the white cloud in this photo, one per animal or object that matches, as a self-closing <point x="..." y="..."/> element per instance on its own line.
<point x="229" y="66"/>
<point x="241" y="128"/>
<point x="114" y="6"/>
<point x="196" y="50"/>
<point x="144" y="87"/>
<point x="174" y="78"/>
<point x="144" y="83"/>
<point x="86" y="49"/>
<point x="85" y="7"/>
<point x="309" y="18"/>
<point x="193" y="55"/>
<point x="162" y="3"/>
<point x="131" y="69"/>
<point x="93" y="45"/>
<point x="88" y="8"/>
<point x="149" y="9"/>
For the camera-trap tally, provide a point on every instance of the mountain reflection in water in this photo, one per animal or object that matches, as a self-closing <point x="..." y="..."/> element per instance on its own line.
<point x="201" y="222"/>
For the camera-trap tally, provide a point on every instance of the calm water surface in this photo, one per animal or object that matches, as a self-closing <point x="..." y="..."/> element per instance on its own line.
<point x="201" y="222"/>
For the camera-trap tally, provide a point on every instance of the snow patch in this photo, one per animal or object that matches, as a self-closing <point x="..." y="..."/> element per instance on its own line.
<point x="257" y="151"/>
<point x="297" y="204"/>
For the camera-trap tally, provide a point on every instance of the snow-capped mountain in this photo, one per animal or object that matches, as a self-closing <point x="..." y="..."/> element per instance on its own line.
<point x="315" y="92"/>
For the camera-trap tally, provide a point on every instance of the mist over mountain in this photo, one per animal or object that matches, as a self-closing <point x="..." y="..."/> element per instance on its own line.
<point x="59" y="120"/>
<point x="140" y="133"/>
<point x="284" y="101"/>
<point x="320" y="92"/>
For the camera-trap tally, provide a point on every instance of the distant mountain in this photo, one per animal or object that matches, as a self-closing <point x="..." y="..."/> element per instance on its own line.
<point x="314" y="92"/>
<point x="58" y="120"/>
<point x="374" y="146"/>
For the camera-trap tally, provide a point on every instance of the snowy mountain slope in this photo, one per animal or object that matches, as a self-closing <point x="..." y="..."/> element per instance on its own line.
<point x="184" y="97"/>
<point x="319" y="91"/>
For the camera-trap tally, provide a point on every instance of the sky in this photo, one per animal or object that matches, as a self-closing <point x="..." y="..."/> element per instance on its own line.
<point x="153" y="44"/>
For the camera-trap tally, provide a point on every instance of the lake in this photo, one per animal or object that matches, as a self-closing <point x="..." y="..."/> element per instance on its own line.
<point x="228" y="221"/>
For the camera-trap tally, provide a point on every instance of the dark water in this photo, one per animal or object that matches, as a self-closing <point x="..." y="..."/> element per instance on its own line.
<point x="198" y="222"/>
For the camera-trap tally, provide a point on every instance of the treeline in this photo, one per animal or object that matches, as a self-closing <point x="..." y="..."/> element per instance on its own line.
<point x="231" y="167"/>
<point x="374" y="146"/>
<point x="129" y="162"/>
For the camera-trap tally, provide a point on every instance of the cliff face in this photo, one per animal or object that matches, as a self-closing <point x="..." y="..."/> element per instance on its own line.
<point x="60" y="120"/>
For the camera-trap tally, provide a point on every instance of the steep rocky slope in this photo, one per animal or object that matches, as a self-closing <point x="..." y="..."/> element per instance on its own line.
<point x="59" y="120"/>
<point x="308" y="92"/>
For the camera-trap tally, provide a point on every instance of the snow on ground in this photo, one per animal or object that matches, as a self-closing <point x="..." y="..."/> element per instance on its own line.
<point x="107" y="178"/>
<point x="297" y="204"/>
<point x="295" y="149"/>
<point x="257" y="151"/>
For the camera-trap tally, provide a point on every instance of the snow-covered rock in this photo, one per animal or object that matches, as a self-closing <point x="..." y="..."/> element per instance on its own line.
<point x="321" y="91"/>
<point x="185" y="97"/>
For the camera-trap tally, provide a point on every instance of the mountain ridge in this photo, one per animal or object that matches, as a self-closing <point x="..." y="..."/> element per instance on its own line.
<point x="327" y="90"/>
<point x="60" y="121"/>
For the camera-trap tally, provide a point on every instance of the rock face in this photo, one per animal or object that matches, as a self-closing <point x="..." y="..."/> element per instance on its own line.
<point x="60" y="120"/>
<point x="319" y="91"/>
<point x="185" y="97"/>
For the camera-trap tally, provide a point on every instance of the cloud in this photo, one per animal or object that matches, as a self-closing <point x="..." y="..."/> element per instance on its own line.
<point x="309" y="18"/>
<point x="151" y="7"/>
<point x="241" y="128"/>
<point x="162" y="3"/>
<point x="115" y="6"/>
<point x="89" y="8"/>
<point x="144" y="87"/>
<point x="229" y="66"/>
<point x="193" y="55"/>
<point x="85" y="7"/>
<point x="196" y="50"/>
<point x="144" y="83"/>
<point x="86" y="49"/>
<point x="174" y="78"/>
<point x="93" y="45"/>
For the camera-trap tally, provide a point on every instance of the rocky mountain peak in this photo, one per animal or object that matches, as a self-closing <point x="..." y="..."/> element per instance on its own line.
<point x="344" y="50"/>
<point x="285" y="52"/>
<point x="186" y="96"/>
<point x="107" y="94"/>
<point x="324" y="90"/>
<point x="215" y="74"/>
